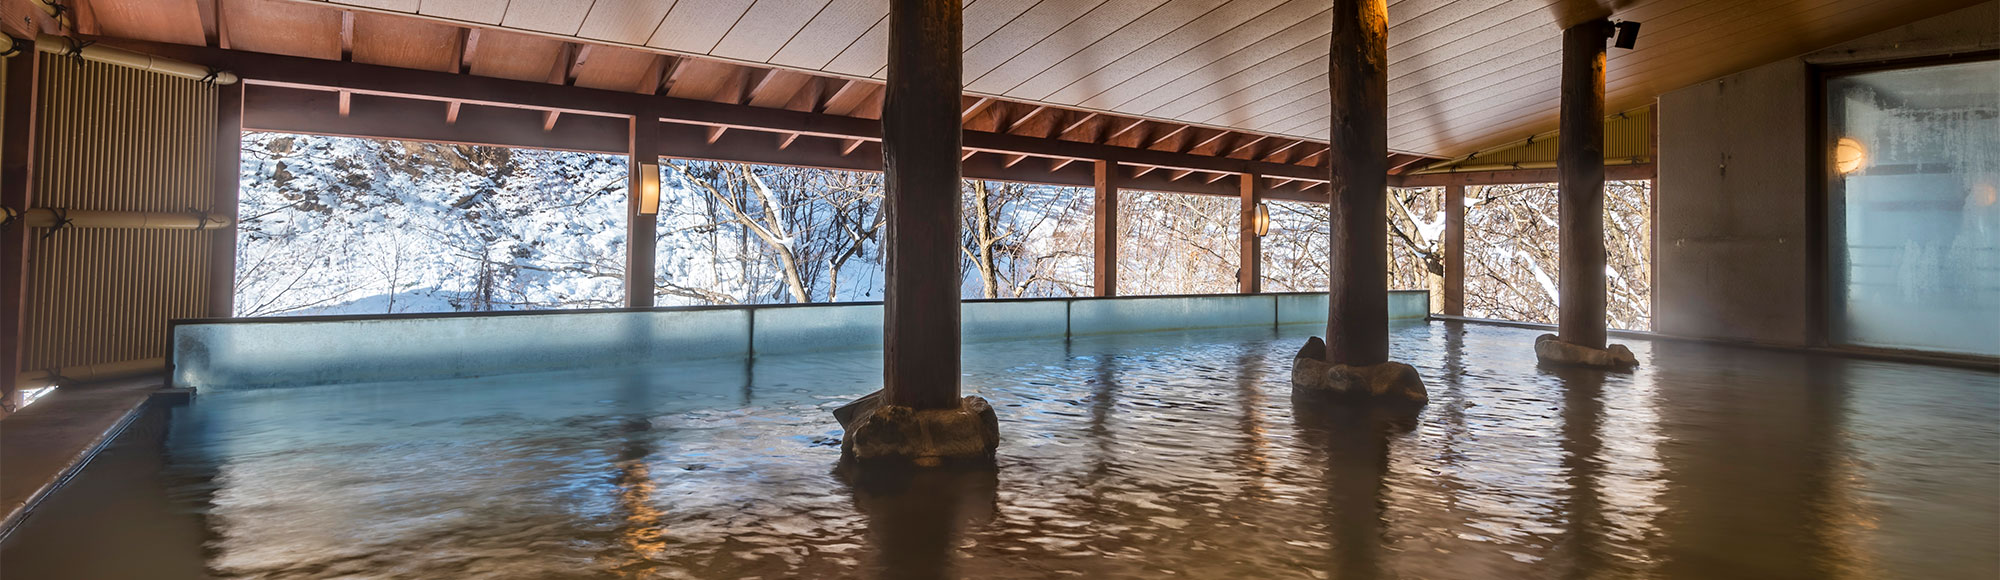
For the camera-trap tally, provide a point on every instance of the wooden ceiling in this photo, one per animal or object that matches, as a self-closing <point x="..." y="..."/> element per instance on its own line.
<point x="1226" y="77"/>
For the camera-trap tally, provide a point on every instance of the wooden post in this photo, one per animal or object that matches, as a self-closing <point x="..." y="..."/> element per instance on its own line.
<point x="1357" y="321"/>
<point x="641" y="224"/>
<point x="1250" y="248"/>
<point x="1104" y="272"/>
<point x="1454" y="249"/>
<point x="228" y="177"/>
<point x="1580" y="182"/>
<point x="17" y="190"/>
<point x="920" y="157"/>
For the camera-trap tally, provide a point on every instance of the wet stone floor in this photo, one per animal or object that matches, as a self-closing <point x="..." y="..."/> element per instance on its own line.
<point x="1141" y="456"/>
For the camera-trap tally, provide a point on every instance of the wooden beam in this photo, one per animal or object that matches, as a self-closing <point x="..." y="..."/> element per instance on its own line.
<point x="1077" y="124"/>
<point x="1454" y="250"/>
<point x="1357" y="325"/>
<point x="347" y="35"/>
<point x="1057" y="164"/>
<point x="967" y="154"/>
<point x="850" y="95"/>
<point x="559" y="73"/>
<point x="581" y="55"/>
<point x="920" y="134"/>
<point x="715" y="132"/>
<point x="1011" y="160"/>
<point x="1142" y="170"/>
<point x="785" y="140"/>
<point x="1250" y="246"/>
<point x="19" y="124"/>
<point x="1247" y="145"/>
<point x="978" y="106"/>
<point x="226" y="173"/>
<point x="1024" y="119"/>
<point x="346" y="102"/>
<point x="306" y="73"/>
<point x="549" y="119"/>
<point x="1104" y="233"/>
<point x="451" y="112"/>
<point x="468" y="48"/>
<point x="1580" y="186"/>
<point x="1272" y="156"/>
<point x="211" y="23"/>
<point x="641" y="224"/>
<point x="1177" y="174"/>
<point x="1614" y="172"/>
<point x="847" y="146"/>
<point x="1214" y="177"/>
<point x="314" y="112"/>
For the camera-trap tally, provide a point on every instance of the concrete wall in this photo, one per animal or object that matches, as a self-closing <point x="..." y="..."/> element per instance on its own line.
<point x="1737" y="257"/>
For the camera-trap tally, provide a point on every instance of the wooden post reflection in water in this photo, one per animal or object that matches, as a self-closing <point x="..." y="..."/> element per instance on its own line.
<point x="1353" y="442"/>
<point x="917" y="516"/>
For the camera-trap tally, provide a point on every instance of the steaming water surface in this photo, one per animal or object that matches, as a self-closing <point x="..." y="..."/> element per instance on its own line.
<point x="1141" y="456"/>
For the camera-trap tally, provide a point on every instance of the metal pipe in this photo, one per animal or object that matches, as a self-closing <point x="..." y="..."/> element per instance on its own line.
<point x="43" y="217"/>
<point x="1519" y="165"/>
<point x="89" y="373"/>
<point x="121" y="57"/>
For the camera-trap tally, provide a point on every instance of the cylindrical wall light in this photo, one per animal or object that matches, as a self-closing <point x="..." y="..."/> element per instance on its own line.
<point x="1263" y="219"/>
<point x="649" y="188"/>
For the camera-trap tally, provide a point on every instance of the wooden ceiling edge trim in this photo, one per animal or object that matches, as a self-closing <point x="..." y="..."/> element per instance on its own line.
<point x="471" y="25"/>
<point x="355" y="78"/>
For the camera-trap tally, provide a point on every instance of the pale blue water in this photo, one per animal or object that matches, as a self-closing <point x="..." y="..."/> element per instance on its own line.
<point x="1136" y="456"/>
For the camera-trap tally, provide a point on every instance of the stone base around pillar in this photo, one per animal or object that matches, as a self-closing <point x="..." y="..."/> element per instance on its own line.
<point x="1389" y="381"/>
<point x="1552" y="350"/>
<point x="925" y="437"/>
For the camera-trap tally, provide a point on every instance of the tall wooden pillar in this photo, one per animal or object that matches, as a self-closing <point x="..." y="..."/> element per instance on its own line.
<point x="17" y="190"/>
<point x="228" y="177"/>
<point x="641" y="223"/>
<point x="1250" y="246"/>
<point x="1454" y="249"/>
<point x="1357" y="321"/>
<point x="920" y="156"/>
<point x="1580" y="179"/>
<point x="1104" y="269"/>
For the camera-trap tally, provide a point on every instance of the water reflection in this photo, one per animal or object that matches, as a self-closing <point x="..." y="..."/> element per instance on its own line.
<point x="918" y="517"/>
<point x="1351" y="441"/>
<point x="1123" y="457"/>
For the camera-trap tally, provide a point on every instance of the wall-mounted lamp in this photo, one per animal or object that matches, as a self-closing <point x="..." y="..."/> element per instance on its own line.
<point x="1263" y="219"/>
<point x="1627" y="35"/>
<point x="1849" y="156"/>
<point x="649" y="188"/>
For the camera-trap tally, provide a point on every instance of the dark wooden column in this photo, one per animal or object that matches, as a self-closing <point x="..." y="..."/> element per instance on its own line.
<point x="920" y="155"/>
<point x="17" y="191"/>
<point x="1250" y="246"/>
<point x="228" y="177"/>
<point x="1580" y="179"/>
<point x="1357" y="321"/>
<point x="1104" y="271"/>
<point x="641" y="223"/>
<point x="1454" y="249"/>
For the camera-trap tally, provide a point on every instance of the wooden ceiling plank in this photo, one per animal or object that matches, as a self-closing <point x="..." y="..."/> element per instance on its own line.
<point x="1146" y="29"/>
<point x="839" y="26"/>
<point x="995" y="67"/>
<point x="695" y="26"/>
<point x="278" y="27"/>
<point x="405" y="42"/>
<point x="765" y="28"/>
<point x="628" y="22"/>
<point x="1121" y="67"/>
<point x="1289" y="50"/>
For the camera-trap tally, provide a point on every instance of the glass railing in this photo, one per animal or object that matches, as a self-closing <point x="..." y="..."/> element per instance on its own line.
<point x="306" y="350"/>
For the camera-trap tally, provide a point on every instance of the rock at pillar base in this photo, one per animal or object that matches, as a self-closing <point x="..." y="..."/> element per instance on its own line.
<point x="1390" y="381"/>
<point x="878" y="431"/>
<point x="1551" y="349"/>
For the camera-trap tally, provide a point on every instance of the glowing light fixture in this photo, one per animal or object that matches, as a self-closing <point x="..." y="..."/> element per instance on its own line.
<point x="1263" y="219"/>
<point x="1849" y="155"/>
<point x="649" y="188"/>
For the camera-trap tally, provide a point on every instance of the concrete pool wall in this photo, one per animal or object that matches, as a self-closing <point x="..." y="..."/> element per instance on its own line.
<point x="311" y="350"/>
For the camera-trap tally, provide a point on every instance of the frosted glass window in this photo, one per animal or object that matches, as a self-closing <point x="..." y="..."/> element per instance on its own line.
<point x="1914" y="160"/>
